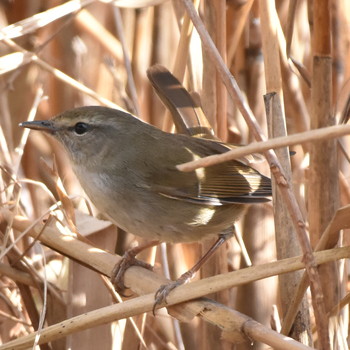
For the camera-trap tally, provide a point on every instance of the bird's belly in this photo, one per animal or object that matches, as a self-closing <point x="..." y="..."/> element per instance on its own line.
<point x="172" y="220"/>
<point x="153" y="216"/>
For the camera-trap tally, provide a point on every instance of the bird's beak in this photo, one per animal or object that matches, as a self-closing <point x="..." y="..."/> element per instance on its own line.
<point x="41" y="125"/>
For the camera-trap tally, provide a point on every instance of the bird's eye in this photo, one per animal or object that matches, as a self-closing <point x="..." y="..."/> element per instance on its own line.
<point x="81" y="128"/>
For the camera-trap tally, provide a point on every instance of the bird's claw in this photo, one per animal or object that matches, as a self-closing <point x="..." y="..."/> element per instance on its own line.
<point x="117" y="275"/>
<point x="162" y="293"/>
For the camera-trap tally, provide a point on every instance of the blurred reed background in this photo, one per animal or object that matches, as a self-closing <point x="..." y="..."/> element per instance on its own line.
<point x="94" y="52"/>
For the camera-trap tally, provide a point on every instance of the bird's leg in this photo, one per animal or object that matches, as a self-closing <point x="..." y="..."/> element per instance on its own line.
<point x="164" y="290"/>
<point x="128" y="260"/>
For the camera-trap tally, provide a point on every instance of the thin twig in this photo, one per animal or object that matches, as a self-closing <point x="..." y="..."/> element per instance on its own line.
<point x="146" y="281"/>
<point x="260" y="147"/>
<point x="60" y="75"/>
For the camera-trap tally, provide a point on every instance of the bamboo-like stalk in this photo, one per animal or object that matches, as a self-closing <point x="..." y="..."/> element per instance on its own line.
<point x="286" y="240"/>
<point x="141" y="304"/>
<point x="323" y="190"/>
<point x="144" y="281"/>
<point x="328" y="239"/>
<point x="288" y="195"/>
<point x="208" y="93"/>
<point x="216" y="114"/>
<point x="219" y="265"/>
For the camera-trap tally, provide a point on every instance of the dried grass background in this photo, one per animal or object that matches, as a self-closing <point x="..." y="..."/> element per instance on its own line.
<point x="94" y="52"/>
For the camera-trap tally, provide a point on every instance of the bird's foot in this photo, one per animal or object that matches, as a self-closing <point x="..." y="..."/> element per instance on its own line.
<point x="128" y="260"/>
<point x="164" y="290"/>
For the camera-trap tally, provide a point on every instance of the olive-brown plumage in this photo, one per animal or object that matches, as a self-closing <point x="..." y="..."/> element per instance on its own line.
<point x="128" y="169"/>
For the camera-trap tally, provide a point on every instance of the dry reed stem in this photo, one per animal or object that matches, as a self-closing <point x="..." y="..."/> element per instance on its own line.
<point x="270" y="47"/>
<point x="41" y="19"/>
<point x="16" y="275"/>
<point x="138" y="305"/>
<point x="103" y="261"/>
<point x="277" y="171"/>
<point x="181" y="59"/>
<point x="293" y="101"/>
<point x="286" y="243"/>
<point x="87" y="23"/>
<point x="44" y="18"/>
<point x="183" y="46"/>
<point x="219" y="7"/>
<point x="127" y="62"/>
<point x="241" y="16"/>
<point x="260" y="147"/>
<point x="290" y="25"/>
<point x="15" y="319"/>
<point x="273" y="43"/>
<point x="59" y="74"/>
<point x="328" y="239"/>
<point x="135" y="3"/>
<point x="323" y="169"/>
<point x="144" y="281"/>
<point x="180" y="62"/>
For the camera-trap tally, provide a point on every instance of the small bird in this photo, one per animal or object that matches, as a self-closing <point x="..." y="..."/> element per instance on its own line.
<point x="128" y="169"/>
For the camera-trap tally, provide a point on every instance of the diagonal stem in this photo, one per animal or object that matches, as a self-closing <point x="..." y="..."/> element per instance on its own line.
<point x="277" y="171"/>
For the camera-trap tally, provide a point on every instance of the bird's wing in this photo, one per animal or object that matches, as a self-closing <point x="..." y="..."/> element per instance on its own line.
<point x="228" y="182"/>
